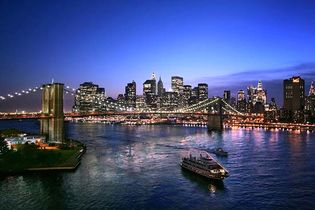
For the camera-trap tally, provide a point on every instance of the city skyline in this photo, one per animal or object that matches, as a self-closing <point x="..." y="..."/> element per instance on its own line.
<point x="31" y="102"/>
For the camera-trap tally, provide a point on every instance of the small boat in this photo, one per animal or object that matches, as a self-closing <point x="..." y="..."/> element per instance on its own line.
<point x="220" y="152"/>
<point x="205" y="166"/>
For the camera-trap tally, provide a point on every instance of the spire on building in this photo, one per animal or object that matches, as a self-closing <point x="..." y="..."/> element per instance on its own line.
<point x="153" y="77"/>
<point x="259" y="86"/>
<point x="312" y="90"/>
<point x="160" y="87"/>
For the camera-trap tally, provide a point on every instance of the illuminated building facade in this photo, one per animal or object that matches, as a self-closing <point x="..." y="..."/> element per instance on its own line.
<point x="186" y="94"/>
<point x="202" y="91"/>
<point x="89" y="97"/>
<point x="241" y="101"/>
<point x="177" y="84"/>
<point x="194" y="96"/>
<point x="293" y="94"/>
<point x="294" y="98"/>
<point x="310" y="105"/>
<point x="170" y="100"/>
<point x="271" y="111"/>
<point x="149" y="92"/>
<point x="130" y="94"/>
<point x="121" y="100"/>
<point x="256" y="98"/>
<point x="160" y="88"/>
<point x="140" y="103"/>
<point x="227" y="96"/>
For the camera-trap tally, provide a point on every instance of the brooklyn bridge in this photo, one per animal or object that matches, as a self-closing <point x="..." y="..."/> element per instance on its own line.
<point x="215" y="110"/>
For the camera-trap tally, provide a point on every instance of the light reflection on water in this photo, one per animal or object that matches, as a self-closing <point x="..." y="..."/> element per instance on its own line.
<point x="136" y="167"/>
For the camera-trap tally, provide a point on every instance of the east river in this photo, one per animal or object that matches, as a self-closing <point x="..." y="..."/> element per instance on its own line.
<point x="137" y="167"/>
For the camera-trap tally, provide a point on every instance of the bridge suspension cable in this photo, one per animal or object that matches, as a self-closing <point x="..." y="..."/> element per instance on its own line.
<point x="232" y="108"/>
<point x="21" y="93"/>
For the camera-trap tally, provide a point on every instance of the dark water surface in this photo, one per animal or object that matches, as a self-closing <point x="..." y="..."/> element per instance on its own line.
<point x="137" y="168"/>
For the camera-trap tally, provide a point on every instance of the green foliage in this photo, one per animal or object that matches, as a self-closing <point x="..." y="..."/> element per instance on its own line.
<point x="3" y="146"/>
<point x="29" y="156"/>
<point x="10" y="132"/>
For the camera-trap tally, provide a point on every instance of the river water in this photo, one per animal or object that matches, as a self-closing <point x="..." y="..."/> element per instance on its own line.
<point x="136" y="167"/>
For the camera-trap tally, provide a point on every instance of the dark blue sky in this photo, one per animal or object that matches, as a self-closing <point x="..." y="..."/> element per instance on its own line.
<point x="228" y="44"/>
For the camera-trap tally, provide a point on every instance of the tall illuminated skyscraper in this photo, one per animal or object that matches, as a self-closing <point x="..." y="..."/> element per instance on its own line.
<point x="160" y="89"/>
<point x="89" y="97"/>
<point x="227" y="96"/>
<point x="149" y="92"/>
<point x="256" y="98"/>
<point x="310" y="104"/>
<point x="202" y="91"/>
<point x="293" y="100"/>
<point x="294" y="94"/>
<point x="186" y="94"/>
<point x="130" y="94"/>
<point x="241" y="101"/>
<point x="177" y="84"/>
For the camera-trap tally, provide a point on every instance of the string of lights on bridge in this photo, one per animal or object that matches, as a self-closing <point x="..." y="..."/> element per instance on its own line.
<point x="21" y="93"/>
<point x="67" y="89"/>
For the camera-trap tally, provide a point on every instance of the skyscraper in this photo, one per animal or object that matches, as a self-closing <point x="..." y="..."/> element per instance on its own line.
<point x="256" y="98"/>
<point x="310" y="104"/>
<point x="149" y="86"/>
<point x="293" y="99"/>
<point x="293" y="94"/>
<point x="194" y="96"/>
<point x="241" y="101"/>
<point x="177" y="84"/>
<point x="130" y="94"/>
<point x="186" y="94"/>
<point x="202" y="91"/>
<point x="311" y="92"/>
<point x="149" y="92"/>
<point x="89" y="98"/>
<point x="153" y="78"/>
<point x="227" y="96"/>
<point x="271" y="112"/>
<point x="170" y="100"/>
<point x="160" y="87"/>
<point x="121" y="100"/>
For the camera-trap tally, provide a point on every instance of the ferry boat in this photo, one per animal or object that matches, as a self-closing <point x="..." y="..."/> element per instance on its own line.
<point x="204" y="165"/>
<point x="220" y="152"/>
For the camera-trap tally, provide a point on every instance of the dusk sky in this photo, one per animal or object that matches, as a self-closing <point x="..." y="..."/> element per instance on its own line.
<point x="227" y="44"/>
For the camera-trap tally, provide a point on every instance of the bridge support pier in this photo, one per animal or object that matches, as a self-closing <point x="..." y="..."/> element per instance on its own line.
<point x="52" y="108"/>
<point x="215" y="120"/>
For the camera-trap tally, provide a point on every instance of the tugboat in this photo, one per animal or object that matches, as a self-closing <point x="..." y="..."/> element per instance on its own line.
<point x="205" y="166"/>
<point x="220" y="152"/>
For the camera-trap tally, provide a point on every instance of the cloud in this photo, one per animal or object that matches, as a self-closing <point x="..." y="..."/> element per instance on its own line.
<point x="272" y="80"/>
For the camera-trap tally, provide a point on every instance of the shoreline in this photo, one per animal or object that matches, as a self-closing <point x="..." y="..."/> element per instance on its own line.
<point x="267" y="125"/>
<point x="58" y="168"/>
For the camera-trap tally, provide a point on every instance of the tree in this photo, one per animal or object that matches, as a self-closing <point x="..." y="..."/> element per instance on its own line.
<point x="3" y="146"/>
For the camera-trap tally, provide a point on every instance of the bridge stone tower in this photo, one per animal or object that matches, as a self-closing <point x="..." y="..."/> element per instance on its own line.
<point x="215" y="120"/>
<point x="52" y="110"/>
